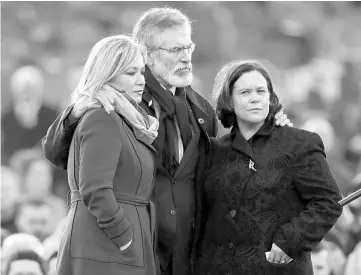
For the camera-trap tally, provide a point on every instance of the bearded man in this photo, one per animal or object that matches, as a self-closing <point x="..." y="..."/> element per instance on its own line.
<point x="186" y="122"/>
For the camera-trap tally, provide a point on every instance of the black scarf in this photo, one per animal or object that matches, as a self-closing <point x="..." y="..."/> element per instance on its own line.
<point x="171" y="106"/>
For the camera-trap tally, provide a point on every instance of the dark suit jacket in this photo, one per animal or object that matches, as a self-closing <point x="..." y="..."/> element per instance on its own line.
<point x="108" y="161"/>
<point x="290" y="200"/>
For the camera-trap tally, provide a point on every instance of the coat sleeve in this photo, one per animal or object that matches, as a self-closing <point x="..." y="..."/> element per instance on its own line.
<point x="100" y="148"/>
<point x="316" y="186"/>
<point x="56" y="143"/>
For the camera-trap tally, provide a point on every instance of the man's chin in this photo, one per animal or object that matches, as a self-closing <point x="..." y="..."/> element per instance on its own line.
<point x="181" y="81"/>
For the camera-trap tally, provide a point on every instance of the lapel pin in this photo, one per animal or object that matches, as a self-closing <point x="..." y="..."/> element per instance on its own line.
<point x="200" y="120"/>
<point x="150" y="103"/>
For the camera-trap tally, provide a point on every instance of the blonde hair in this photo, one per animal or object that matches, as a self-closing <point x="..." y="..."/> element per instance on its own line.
<point x="109" y="57"/>
<point x="156" y="20"/>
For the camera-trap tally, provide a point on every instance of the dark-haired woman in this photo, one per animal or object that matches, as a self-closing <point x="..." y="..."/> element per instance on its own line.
<point x="268" y="193"/>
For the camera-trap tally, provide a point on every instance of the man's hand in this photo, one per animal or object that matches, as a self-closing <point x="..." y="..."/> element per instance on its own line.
<point x="82" y="105"/>
<point x="107" y="97"/>
<point x="112" y="99"/>
<point x="277" y="256"/>
<point x="282" y="120"/>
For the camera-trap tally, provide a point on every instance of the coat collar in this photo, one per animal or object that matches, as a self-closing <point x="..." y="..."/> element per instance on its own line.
<point x="139" y="135"/>
<point x="266" y="129"/>
<point x="201" y="116"/>
<point x="240" y="144"/>
<point x="153" y="84"/>
<point x="143" y="139"/>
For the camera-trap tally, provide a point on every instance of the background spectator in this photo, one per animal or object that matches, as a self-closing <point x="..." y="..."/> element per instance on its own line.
<point x="35" y="218"/>
<point x="353" y="265"/>
<point x="10" y="197"/>
<point x="25" y="262"/>
<point x="319" y="258"/>
<point x="25" y="123"/>
<point x="37" y="178"/>
<point x="19" y="242"/>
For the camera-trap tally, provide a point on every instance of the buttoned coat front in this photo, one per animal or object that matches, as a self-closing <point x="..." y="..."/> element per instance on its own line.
<point x="274" y="188"/>
<point x="111" y="173"/>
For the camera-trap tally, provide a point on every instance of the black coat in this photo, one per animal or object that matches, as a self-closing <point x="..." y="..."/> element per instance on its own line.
<point x="290" y="200"/>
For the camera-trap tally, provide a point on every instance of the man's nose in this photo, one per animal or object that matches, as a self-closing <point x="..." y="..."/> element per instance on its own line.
<point x="186" y="56"/>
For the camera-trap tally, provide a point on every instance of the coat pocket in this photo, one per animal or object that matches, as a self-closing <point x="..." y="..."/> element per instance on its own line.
<point x="89" y="241"/>
<point x="298" y="263"/>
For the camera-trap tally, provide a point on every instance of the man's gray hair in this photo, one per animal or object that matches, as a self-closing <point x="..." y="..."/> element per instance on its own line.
<point x="156" y="20"/>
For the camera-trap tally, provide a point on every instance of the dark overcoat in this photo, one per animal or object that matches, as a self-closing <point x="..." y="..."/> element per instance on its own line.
<point x="288" y="197"/>
<point x="111" y="173"/>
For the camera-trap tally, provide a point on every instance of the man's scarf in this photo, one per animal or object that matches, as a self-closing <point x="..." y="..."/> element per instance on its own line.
<point x="172" y="106"/>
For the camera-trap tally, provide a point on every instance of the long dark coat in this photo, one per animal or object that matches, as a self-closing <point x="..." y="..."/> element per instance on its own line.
<point x="110" y="173"/>
<point x="57" y="142"/>
<point x="290" y="200"/>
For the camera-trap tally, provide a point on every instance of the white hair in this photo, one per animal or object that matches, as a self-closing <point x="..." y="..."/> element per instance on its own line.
<point x="109" y="57"/>
<point x="15" y="243"/>
<point x="27" y="75"/>
<point x="156" y="20"/>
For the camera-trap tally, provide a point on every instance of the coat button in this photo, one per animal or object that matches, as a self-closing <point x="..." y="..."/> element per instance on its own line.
<point x="200" y="120"/>
<point x="230" y="245"/>
<point x="233" y="213"/>
<point x="172" y="212"/>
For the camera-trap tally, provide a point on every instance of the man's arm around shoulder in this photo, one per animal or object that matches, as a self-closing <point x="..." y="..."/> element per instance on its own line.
<point x="56" y="143"/>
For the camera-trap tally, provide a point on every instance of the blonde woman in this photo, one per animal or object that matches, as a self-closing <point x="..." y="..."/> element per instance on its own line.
<point x="111" y="222"/>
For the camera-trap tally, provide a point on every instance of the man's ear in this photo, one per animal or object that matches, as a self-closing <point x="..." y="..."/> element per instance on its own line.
<point x="150" y="58"/>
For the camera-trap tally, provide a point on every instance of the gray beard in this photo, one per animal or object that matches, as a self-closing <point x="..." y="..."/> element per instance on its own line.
<point x="170" y="79"/>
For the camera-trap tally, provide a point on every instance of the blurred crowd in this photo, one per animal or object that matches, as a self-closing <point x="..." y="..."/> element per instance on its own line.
<point x="313" y="51"/>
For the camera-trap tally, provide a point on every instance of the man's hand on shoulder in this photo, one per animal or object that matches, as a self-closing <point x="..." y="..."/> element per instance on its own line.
<point x="110" y="98"/>
<point x="282" y="119"/>
<point x="106" y="97"/>
<point x="83" y="104"/>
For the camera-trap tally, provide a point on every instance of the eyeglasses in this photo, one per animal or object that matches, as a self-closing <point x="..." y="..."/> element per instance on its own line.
<point x="178" y="51"/>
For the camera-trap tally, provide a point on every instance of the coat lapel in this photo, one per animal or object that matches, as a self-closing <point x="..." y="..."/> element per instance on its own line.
<point x="240" y="144"/>
<point x="147" y="102"/>
<point x="140" y="136"/>
<point x="192" y="145"/>
<point x="200" y="115"/>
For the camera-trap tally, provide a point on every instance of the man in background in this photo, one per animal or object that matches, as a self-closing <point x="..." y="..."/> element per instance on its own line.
<point x="25" y="123"/>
